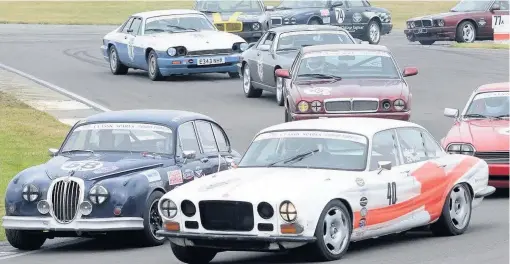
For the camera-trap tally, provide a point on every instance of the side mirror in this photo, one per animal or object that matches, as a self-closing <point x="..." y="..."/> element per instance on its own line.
<point x="251" y="44"/>
<point x="263" y="47"/>
<point x="451" y="112"/>
<point x="269" y="8"/>
<point x="495" y="6"/>
<point x="410" y="71"/>
<point x="52" y="152"/>
<point x="282" y="73"/>
<point x="189" y="154"/>
<point x="384" y="165"/>
<point x="337" y="3"/>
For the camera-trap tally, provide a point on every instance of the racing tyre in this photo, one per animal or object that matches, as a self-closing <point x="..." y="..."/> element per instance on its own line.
<point x="154" y="73"/>
<point x="249" y="90"/>
<point x="25" y="240"/>
<point x="373" y="34"/>
<point x="234" y="75"/>
<point x="116" y="66"/>
<point x="427" y="42"/>
<point x="193" y="255"/>
<point x="152" y="222"/>
<point x="456" y="213"/>
<point x="314" y="21"/>
<point x="333" y="233"/>
<point x="279" y="91"/>
<point x="288" y="116"/>
<point x="466" y="32"/>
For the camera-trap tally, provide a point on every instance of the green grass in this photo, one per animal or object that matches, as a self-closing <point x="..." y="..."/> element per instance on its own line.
<point x="481" y="45"/>
<point x="115" y="12"/>
<point x="25" y="136"/>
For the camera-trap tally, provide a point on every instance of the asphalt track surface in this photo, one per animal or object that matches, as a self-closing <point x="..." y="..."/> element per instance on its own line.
<point x="68" y="56"/>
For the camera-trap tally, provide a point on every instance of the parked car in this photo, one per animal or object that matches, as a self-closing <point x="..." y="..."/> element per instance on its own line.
<point x="109" y="174"/>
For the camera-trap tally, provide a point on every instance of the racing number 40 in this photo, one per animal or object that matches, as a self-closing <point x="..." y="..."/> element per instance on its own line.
<point x="392" y="193"/>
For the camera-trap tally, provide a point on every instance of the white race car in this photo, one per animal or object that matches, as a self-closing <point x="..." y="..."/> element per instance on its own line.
<point x="321" y="184"/>
<point x="172" y="42"/>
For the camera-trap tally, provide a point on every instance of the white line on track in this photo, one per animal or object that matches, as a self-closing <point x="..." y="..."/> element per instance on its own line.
<point x="57" y="245"/>
<point x="56" y="88"/>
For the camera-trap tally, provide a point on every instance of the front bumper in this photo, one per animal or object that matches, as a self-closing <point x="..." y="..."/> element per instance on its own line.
<point x="499" y="175"/>
<point x="189" y="65"/>
<point x="430" y="33"/>
<point x="405" y="116"/>
<point x="50" y="224"/>
<point x="104" y="51"/>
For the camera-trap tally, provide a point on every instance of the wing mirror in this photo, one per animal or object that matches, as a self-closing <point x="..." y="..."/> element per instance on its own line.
<point x="451" y="112"/>
<point x="264" y="47"/>
<point x="384" y="165"/>
<point x="269" y="8"/>
<point x="189" y="154"/>
<point x="410" y="71"/>
<point x="282" y="73"/>
<point x="495" y="6"/>
<point x="52" y="152"/>
<point x="251" y="45"/>
<point x="337" y="4"/>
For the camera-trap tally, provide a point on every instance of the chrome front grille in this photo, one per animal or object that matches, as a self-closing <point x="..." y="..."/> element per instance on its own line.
<point x="493" y="157"/>
<point x="426" y="23"/>
<point x="418" y="23"/>
<point x="276" y="21"/>
<point x="351" y="106"/>
<point x="210" y="52"/>
<point x="65" y="198"/>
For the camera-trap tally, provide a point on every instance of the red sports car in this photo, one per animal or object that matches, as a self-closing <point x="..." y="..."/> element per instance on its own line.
<point x="346" y="80"/>
<point x="482" y="129"/>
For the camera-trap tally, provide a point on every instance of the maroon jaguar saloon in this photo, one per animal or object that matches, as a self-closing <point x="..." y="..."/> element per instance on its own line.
<point x="347" y="80"/>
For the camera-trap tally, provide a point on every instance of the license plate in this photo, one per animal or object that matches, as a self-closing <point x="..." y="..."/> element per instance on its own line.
<point x="211" y="61"/>
<point x="421" y="31"/>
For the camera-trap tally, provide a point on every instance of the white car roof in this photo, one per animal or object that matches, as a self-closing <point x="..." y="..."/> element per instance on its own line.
<point x="166" y="13"/>
<point x="359" y="125"/>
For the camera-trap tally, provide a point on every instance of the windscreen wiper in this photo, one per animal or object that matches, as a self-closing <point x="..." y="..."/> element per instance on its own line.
<point x="78" y="150"/>
<point x="320" y="76"/>
<point x="181" y="28"/>
<point x="295" y="158"/>
<point x="475" y="116"/>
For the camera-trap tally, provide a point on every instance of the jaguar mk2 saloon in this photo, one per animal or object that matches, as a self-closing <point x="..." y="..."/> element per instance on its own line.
<point x="327" y="81"/>
<point x="109" y="174"/>
<point x="320" y="184"/>
<point x="172" y="42"/>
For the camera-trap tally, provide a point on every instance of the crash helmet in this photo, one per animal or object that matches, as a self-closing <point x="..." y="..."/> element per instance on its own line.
<point x="496" y="105"/>
<point x="315" y="63"/>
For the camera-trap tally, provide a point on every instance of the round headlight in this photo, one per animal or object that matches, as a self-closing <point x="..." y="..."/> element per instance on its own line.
<point x="286" y="21"/>
<point x="288" y="211"/>
<point x="386" y="104"/>
<point x="303" y="106"/>
<point x="399" y="104"/>
<point x="30" y="193"/>
<point x="413" y="25"/>
<point x="188" y="208"/>
<point x="265" y="210"/>
<point x="243" y="46"/>
<point x="440" y="23"/>
<point x="168" y="208"/>
<point x="459" y="148"/>
<point x="293" y="20"/>
<point x="255" y="26"/>
<point x="316" y="106"/>
<point x="171" y="51"/>
<point x="85" y="208"/>
<point x="98" y="194"/>
<point x="43" y="207"/>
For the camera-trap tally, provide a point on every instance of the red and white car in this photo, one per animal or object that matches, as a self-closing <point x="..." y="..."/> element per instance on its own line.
<point x="482" y="129"/>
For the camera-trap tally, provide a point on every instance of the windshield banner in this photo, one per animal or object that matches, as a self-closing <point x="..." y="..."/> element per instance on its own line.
<point x="124" y="126"/>
<point x="348" y="53"/>
<point x="491" y="95"/>
<point x="313" y="134"/>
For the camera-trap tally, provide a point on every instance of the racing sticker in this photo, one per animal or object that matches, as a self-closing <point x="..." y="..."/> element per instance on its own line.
<point x="84" y="165"/>
<point x="124" y="126"/>
<point x="260" y="67"/>
<point x="175" y="177"/>
<point x="188" y="174"/>
<point x="411" y="155"/>
<point x="152" y="175"/>
<point x="360" y="182"/>
<point x="348" y="53"/>
<point x="318" y="91"/>
<point x="362" y="222"/>
<point x="131" y="49"/>
<point x="106" y="169"/>
<point x="504" y="131"/>
<point x="199" y="172"/>
<point x="356" y="17"/>
<point x="340" y="15"/>
<point x="482" y="22"/>
<point x="491" y="95"/>
<point x="363" y="201"/>
<point x="313" y="134"/>
<point x="363" y="212"/>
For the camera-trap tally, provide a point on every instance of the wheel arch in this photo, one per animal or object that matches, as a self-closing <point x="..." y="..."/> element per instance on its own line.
<point x="315" y="17"/>
<point x="147" y="52"/>
<point x="469" y="20"/>
<point x="377" y="20"/>
<point x="274" y="70"/>
<point x="349" y="208"/>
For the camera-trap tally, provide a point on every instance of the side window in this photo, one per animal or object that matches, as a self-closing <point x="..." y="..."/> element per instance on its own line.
<point x="356" y="3"/>
<point x="503" y="5"/>
<point x="220" y="138"/>
<point x="263" y="39"/>
<point x="432" y="148"/>
<point x="127" y="25"/>
<point x="412" y="145"/>
<point x="206" y="135"/>
<point x="135" y="26"/>
<point x="384" y="148"/>
<point x="269" y="39"/>
<point x="296" y="61"/>
<point x="187" y="138"/>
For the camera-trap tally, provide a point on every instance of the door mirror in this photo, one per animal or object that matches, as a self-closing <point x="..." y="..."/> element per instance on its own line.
<point x="52" y="152"/>
<point x="251" y="44"/>
<point x="189" y="154"/>
<point x="451" y="112"/>
<point x="263" y="47"/>
<point x="495" y="6"/>
<point x="282" y="73"/>
<point x="410" y="71"/>
<point x="337" y="3"/>
<point x="384" y="165"/>
<point x="269" y="8"/>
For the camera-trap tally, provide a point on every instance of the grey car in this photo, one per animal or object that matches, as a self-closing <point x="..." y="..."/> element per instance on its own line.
<point x="277" y="49"/>
<point x="248" y="19"/>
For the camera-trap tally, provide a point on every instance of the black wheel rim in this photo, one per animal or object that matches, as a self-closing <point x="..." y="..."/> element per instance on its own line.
<point x="155" y="221"/>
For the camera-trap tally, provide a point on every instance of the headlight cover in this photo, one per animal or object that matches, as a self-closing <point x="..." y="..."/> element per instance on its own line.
<point x="399" y="104"/>
<point x="171" y="52"/>
<point x="461" y="148"/>
<point x="243" y="46"/>
<point x="168" y="209"/>
<point x="440" y="23"/>
<point x="288" y="211"/>
<point x="98" y="194"/>
<point x="30" y="193"/>
<point x="255" y="26"/>
<point x="303" y="106"/>
<point x="413" y="25"/>
<point x="316" y="106"/>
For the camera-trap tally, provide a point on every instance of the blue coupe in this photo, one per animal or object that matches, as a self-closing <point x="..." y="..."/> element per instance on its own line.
<point x="109" y="174"/>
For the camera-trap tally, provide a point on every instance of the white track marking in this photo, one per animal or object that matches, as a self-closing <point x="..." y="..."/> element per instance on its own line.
<point x="69" y="121"/>
<point x="24" y="253"/>
<point x="49" y="105"/>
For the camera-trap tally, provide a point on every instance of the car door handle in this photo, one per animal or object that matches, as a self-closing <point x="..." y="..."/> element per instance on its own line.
<point x="204" y="160"/>
<point x="441" y="165"/>
<point x="406" y="172"/>
<point x="125" y="37"/>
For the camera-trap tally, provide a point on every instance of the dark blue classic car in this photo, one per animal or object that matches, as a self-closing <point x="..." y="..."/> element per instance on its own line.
<point x="108" y="176"/>
<point x="361" y="19"/>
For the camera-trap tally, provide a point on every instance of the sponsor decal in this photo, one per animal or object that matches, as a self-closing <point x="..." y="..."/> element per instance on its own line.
<point x="340" y="15"/>
<point x="106" y="169"/>
<point x="152" y="175"/>
<point x="363" y="212"/>
<point x="124" y="126"/>
<point x="84" y="165"/>
<point x="310" y="32"/>
<point x="363" y="201"/>
<point x="491" y="95"/>
<point x="411" y="155"/>
<point x="260" y="67"/>
<point x="362" y="222"/>
<point x="318" y="91"/>
<point x="360" y="182"/>
<point x="313" y="134"/>
<point x="175" y="177"/>
<point x="364" y="53"/>
<point x="482" y="22"/>
<point x="354" y="29"/>
<point x="131" y="49"/>
<point x="356" y="17"/>
<point x="324" y="12"/>
<point x="188" y="174"/>
<point x="199" y="172"/>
